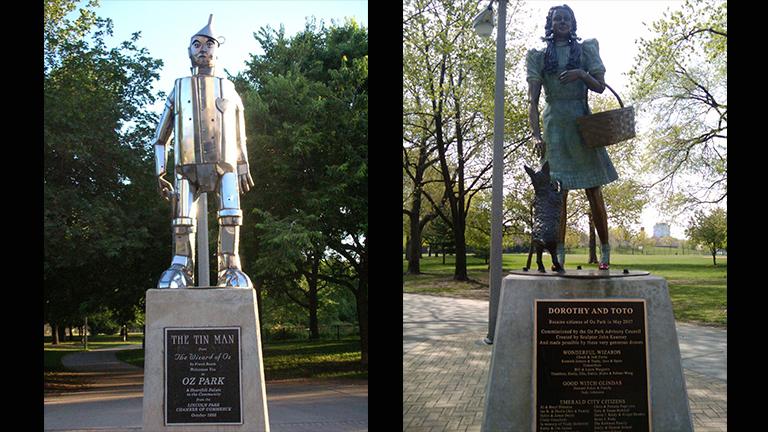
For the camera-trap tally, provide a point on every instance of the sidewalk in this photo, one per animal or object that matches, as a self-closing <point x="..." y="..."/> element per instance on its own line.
<point x="445" y="366"/>
<point x="113" y="401"/>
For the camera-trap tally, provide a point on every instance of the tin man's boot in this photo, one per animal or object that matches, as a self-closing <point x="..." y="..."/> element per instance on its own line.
<point x="181" y="273"/>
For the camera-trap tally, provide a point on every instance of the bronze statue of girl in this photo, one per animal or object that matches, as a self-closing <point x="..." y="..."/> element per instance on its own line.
<point x="567" y="69"/>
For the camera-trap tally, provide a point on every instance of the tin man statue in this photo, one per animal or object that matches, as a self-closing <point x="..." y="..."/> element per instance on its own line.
<point x="205" y="115"/>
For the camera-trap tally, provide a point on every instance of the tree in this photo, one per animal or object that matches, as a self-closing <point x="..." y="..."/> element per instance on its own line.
<point x="306" y="102"/>
<point x="439" y="237"/>
<point x="104" y="224"/>
<point x="448" y="99"/>
<point x="417" y="159"/>
<point x="709" y="230"/>
<point x="679" y="80"/>
<point x="479" y="225"/>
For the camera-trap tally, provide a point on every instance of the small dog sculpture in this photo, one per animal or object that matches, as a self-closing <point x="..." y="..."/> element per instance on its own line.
<point x="547" y="206"/>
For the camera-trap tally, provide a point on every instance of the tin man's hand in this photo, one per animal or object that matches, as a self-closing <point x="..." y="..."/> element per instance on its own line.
<point x="244" y="176"/>
<point x="165" y="187"/>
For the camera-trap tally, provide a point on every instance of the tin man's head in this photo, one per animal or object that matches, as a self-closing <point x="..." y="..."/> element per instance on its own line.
<point x="202" y="46"/>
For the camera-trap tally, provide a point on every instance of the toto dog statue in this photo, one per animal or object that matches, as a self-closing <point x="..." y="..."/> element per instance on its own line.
<point x="547" y="205"/>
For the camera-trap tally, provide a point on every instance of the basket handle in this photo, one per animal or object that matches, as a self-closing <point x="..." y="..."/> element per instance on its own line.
<point x="615" y="94"/>
<point x="586" y="95"/>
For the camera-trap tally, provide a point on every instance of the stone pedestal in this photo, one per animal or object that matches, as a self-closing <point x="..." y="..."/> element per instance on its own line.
<point x="184" y="311"/>
<point x="509" y="402"/>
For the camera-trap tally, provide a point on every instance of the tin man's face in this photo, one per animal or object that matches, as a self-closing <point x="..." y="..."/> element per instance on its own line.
<point x="202" y="51"/>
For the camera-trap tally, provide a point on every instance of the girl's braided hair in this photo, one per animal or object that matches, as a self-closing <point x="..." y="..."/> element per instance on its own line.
<point x="550" y="56"/>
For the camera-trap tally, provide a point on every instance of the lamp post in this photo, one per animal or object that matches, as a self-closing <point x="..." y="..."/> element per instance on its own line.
<point x="483" y="25"/>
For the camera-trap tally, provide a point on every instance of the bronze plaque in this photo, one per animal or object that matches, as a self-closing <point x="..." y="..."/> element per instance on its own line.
<point x="202" y="376"/>
<point x="591" y="362"/>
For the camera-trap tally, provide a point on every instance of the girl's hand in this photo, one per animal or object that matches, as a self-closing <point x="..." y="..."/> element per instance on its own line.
<point x="572" y="75"/>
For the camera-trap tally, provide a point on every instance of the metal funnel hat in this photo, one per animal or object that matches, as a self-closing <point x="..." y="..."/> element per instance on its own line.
<point x="208" y="31"/>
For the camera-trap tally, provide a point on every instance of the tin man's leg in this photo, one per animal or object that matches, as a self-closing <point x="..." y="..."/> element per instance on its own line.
<point x="230" y="218"/>
<point x="181" y="272"/>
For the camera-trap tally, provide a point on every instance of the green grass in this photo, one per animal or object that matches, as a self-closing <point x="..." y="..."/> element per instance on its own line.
<point x="297" y="359"/>
<point x="313" y="359"/>
<point x="696" y="287"/>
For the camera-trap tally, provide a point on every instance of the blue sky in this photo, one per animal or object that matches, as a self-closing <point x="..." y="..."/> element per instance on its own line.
<point x="167" y="25"/>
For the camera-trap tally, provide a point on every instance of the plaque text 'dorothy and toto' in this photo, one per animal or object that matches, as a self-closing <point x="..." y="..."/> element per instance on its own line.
<point x="591" y="366"/>
<point x="202" y="367"/>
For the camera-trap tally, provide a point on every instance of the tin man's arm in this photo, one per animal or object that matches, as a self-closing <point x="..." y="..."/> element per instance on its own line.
<point x="243" y="168"/>
<point x="160" y="141"/>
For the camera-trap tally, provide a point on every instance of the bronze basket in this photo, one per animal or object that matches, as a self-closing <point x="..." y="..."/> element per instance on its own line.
<point x="607" y="127"/>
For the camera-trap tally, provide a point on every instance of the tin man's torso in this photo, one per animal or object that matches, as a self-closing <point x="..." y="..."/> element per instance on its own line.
<point x="208" y="128"/>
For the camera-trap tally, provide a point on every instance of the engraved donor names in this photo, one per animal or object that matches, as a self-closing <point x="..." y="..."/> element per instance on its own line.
<point x="203" y="375"/>
<point x="591" y="366"/>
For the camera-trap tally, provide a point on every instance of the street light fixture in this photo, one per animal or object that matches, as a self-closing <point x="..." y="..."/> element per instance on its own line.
<point x="483" y="26"/>
<point x="483" y="22"/>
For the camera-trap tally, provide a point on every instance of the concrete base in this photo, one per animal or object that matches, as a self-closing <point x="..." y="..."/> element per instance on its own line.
<point x="218" y="307"/>
<point x="509" y="404"/>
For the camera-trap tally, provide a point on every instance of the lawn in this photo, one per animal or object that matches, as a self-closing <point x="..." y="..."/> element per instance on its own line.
<point x="298" y="359"/>
<point x="696" y="287"/>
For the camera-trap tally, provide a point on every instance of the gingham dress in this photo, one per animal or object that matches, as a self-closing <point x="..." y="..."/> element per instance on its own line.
<point x="571" y="161"/>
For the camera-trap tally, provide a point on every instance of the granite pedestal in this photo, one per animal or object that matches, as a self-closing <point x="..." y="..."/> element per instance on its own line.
<point x="509" y="403"/>
<point x="186" y="310"/>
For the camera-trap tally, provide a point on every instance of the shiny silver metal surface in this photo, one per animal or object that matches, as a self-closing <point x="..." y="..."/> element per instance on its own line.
<point x="205" y="115"/>
<point x="207" y="31"/>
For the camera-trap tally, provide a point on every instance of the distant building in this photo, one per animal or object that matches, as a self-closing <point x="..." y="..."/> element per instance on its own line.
<point x="661" y="230"/>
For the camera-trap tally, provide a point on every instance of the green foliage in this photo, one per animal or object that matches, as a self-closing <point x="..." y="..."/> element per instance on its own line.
<point x="439" y="236"/>
<point x="679" y="80"/>
<point x="448" y="102"/>
<point x="479" y="225"/>
<point x="103" y="222"/>
<point x="709" y="230"/>
<point x="306" y="105"/>
<point x="103" y="322"/>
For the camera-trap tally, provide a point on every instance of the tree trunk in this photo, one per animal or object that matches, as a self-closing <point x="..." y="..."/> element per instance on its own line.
<point x="55" y="334"/>
<point x="408" y="250"/>
<point x="714" y="260"/>
<point x="414" y="247"/>
<point x="314" y="330"/>
<point x="62" y="333"/>
<point x="460" y="268"/>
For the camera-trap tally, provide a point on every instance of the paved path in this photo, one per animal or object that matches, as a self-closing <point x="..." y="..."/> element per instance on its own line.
<point x="445" y="366"/>
<point x="113" y="400"/>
